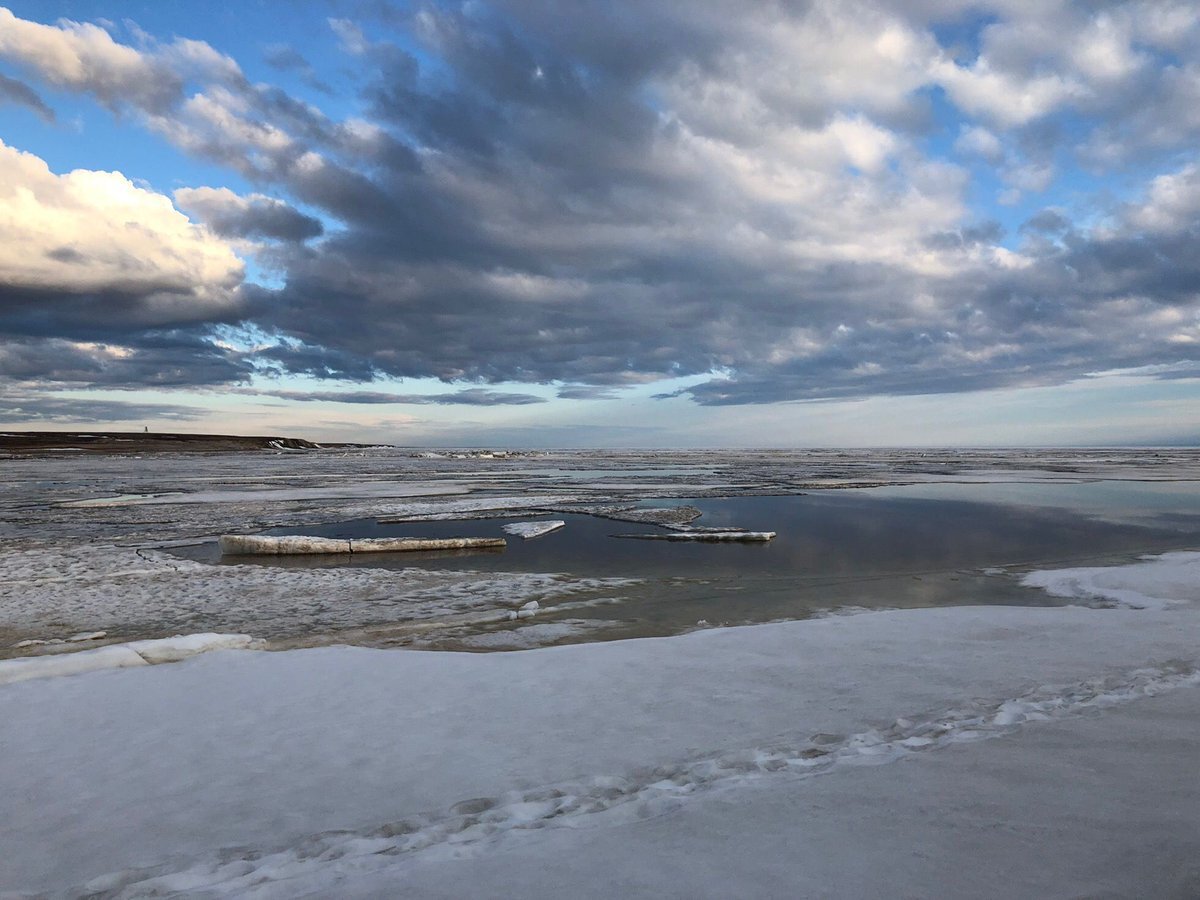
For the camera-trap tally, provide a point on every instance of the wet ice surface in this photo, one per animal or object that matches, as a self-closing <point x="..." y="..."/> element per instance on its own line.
<point x="80" y="536"/>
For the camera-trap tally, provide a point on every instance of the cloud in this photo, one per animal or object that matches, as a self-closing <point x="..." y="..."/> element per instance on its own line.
<point x="155" y="359"/>
<point x="285" y="58"/>
<point x="252" y="216"/>
<point x="466" y="397"/>
<point x="14" y="91"/>
<point x="586" y="392"/>
<point x="84" y="57"/>
<point x="33" y="408"/>
<point x="647" y="191"/>
<point x="86" y="246"/>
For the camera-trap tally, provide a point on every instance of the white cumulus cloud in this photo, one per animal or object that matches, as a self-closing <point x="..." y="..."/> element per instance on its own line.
<point x="97" y="232"/>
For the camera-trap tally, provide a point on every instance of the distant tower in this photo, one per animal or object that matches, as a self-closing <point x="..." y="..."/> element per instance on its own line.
<point x="145" y="429"/>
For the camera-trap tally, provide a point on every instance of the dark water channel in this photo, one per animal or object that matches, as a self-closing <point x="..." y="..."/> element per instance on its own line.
<point x="902" y="547"/>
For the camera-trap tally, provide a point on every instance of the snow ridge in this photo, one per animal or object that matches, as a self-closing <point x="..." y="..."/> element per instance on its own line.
<point x="469" y="825"/>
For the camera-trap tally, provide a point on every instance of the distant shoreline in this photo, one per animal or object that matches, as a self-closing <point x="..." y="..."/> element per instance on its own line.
<point x="36" y="443"/>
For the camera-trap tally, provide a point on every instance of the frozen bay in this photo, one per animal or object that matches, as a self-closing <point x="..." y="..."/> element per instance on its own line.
<point x="1035" y="741"/>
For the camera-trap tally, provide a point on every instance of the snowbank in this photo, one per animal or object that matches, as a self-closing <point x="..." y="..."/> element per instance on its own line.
<point x="1160" y="582"/>
<point x="120" y="656"/>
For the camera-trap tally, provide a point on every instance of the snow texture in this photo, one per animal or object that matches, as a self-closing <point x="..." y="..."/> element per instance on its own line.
<point x="119" y="656"/>
<point x="99" y="585"/>
<point x="323" y="771"/>
<point x="1159" y="582"/>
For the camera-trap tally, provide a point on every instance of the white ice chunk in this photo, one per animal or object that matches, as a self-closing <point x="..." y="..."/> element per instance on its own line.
<point x="115" y="657"/>
<point x="303" y="545"/>
<point x="283" y="545"/>
<point x="723" y="537"/>
<point x="528" y="530"/>
<point x="180" y="647"/>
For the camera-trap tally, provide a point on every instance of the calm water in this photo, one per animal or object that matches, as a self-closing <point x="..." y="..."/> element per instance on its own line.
<point x="925" y="545"/>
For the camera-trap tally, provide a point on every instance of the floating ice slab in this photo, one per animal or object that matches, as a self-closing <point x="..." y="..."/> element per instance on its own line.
<point x="300" y="545"/>
<point x="723" y="537"/>
<point x="528" y="530"/>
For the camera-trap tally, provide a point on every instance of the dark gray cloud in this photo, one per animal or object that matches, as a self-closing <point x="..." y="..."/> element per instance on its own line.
<point x="160" y="359"/>
<point x="18" y="92"/>
<point x="33" y="408"/>
<point x="255" y="216"/>
<point x="587" y="392"/>
<point x="466" y="397"/>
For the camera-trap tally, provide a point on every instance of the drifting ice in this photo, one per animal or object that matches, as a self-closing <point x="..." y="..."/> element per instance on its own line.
<point x="296" y="545"/>
<point x="745" y="537"/>
<point x="528" y="530"/>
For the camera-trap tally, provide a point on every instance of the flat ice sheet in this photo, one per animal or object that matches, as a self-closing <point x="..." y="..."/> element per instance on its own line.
<point x="270" y="752"/>
<point x="1168" y="579"/>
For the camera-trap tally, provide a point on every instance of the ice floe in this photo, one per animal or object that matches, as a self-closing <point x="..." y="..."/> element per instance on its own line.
<point x="656" y="515"/>
<point x="716" y="537"/>
<point x="305" y="545"/>
<point x="530" y="530"/>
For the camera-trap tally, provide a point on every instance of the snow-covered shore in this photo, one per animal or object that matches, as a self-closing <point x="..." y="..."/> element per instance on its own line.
<point x="352" y="771"/>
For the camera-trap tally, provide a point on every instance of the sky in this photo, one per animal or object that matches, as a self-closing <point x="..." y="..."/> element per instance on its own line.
<point x="604" y="224"/>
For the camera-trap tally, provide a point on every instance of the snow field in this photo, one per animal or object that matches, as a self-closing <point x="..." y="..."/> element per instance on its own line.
<point x="312" y="765"/>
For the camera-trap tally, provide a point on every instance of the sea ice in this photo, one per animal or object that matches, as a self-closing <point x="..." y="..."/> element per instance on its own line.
<point x="529" y="530"/>
<point x="305" y="545"/>
<point x="722" y="537"/>
<point x="304" y="771"/>
<point x="1158" y="582"/>
<point x="117" y="656"/>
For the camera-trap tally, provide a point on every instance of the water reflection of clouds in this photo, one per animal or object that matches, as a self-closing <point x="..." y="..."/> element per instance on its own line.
<point x="1163" y="504"/>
